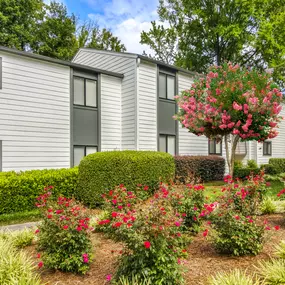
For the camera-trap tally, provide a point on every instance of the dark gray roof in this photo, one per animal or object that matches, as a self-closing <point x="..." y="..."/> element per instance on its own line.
<point x="58" y="61"/>
<point x="158" y="62"/>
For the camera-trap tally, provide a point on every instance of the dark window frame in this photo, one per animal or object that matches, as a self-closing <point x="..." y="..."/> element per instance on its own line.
<point x="83" y="146"/>
<point x="85" y="79"/>
<point x="166" y="74"/>
<point x="265" y="149"/>
<point x="215" y="148"/>
<point x="166" y="137"/>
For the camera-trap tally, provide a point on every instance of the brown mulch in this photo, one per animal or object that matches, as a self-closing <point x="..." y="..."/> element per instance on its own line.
<point x="201" y="263"/>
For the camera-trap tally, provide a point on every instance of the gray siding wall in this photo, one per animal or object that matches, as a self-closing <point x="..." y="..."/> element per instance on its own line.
<point x="34" y="114"/>
<point x="127" y="66"/>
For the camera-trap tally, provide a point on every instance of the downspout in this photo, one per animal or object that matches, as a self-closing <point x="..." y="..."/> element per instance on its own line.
<point x="138" y="61"/>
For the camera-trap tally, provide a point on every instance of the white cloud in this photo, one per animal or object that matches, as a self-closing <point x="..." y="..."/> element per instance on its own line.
<point x="126" y="19"/>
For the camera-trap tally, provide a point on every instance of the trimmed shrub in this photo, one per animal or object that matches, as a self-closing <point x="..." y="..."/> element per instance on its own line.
<point x="102" y="171"/>
<point x="18" y="191"/>
<point x="251" y="163"/>
<point x="242" y="173"/>
<point x="269" y="169"/>
<point x="206" y="168"/>
<point x="278" y="164"/>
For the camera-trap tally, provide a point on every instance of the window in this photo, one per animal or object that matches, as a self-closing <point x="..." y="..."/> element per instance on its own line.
<point x="166" y="86"/>
<point x="215" y="147"/>
<point x="85" y="92"/>
<point x="167" y="144"/>
<point x="267" y="148"/>
<point x="80" y="151"/>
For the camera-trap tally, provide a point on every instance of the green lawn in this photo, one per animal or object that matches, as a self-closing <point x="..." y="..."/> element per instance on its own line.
<point x="213" y="189"/>
<point x="18" y="218"/>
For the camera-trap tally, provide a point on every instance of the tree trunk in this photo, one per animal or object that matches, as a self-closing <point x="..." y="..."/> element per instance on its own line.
<point x="230" y="156"/>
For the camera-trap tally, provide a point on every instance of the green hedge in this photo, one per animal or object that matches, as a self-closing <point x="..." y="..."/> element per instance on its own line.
<point x="103" y="171"/>
<point x="278" y="165"/>
<point x="242" y="173"/>
<point x="18" y="191"/>
<point x="206" y="168"/>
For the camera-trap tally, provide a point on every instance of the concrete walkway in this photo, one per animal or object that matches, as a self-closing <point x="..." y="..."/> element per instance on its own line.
<point x="18" y="227"/>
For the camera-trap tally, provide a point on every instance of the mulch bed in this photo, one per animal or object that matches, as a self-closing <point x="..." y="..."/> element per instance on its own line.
<point x="201" y="263"/>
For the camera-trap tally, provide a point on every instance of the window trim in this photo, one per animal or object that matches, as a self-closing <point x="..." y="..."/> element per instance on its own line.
<point x="215" y="148"/>
<point x="84" y="90"/>
<point x="166" y="74"/>
<point x="84" y="146"/>
<point x="166" y="136"/>
<point x="267" y="143"/>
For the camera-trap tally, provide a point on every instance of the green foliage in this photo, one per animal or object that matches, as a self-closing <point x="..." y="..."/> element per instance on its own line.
<point x="205" y="168"/>
<point x="272" y="272"/>
<point x="251" y="163"/>
<point x="243" y="173"/>
<point x="152" y="236"/>
<point x="280" y="250"/>
<point x="190" y="204"/>
<point x="19" y="239"/>
<point x="18" y="22"/>
<point x="268" y="206"/>
<point x="237" y="235"/>
<point x="134" y="280"/>
<point x="102" y="171"/>
<point x="16" y="267"/>
<point x="270" y="169"/>
<point x="56" y="33"/>
<point x="235" y="277"/>
<point x="278" y="164"/>
<point x="63" y="235"/>
<point x="202" y="33"/>
<point x="238" y="164"/>
<point x="19" y="191"/>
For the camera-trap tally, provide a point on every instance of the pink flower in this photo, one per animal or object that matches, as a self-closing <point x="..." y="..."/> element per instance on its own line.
<point x="237" y="107"/>
<point x="85" y="257"/>
<point x="147" y="244"/>
<point x="79" y="229"/>
<point x="177" y="224"/>
<point x="37" y="231"/>
<point x="205" y="233"/>
<point x="65" y="227"/>
<point x="109" y="277"/>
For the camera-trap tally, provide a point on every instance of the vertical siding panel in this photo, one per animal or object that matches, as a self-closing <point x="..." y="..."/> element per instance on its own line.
<point x="34" y="114"/>
<point x="111" y="112"/>
<point x="147" y="106"/>
<point x="127" y="66"/>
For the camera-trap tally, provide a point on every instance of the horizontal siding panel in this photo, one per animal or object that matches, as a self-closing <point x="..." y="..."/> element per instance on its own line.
<point x="120" y="64"/>
<point x="34" y="114"/>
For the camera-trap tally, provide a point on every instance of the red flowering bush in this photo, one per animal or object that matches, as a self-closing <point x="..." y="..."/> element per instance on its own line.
<point x="231" y="100"/>
<point x="63" y="235"/>
<point x="235" y="230"/>
<point x="154" y="245"/>
<point x="189" y="205"/>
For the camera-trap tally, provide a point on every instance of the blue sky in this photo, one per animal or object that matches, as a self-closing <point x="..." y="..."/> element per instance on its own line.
<point x="125" y="18"/>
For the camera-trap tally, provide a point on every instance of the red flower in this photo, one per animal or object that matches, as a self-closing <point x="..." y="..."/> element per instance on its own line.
<point x="37" y="231"/>
<point x="40" y="264"/>
<point x="50" y="210"/>
<point x="205" y="233"/>
<point x="38" y="255"/>
<point x="145" y="188"/>
<point x="65" y="227"/>
<point x="49" y="216"/>
<point x="277" y="228"/>
<point x="147" y="244"/>
<point x="117" y="225"/>
<point x="79" y="229"/>
<point x="237" y="217"/>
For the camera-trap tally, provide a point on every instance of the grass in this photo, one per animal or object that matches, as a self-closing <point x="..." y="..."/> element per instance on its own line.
<point x="18" y="218"/>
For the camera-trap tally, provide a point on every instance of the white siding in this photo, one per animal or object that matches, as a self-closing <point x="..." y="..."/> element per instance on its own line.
<point x="111" y="112"/>
<point x="127" y="66"/>
<point x="189" y="144"/>
<point x="278" y="144"/>
<point x="34" y="114"/>
<point x="147" y="106"/>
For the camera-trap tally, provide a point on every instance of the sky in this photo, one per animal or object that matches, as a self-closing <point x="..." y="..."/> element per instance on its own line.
<point x="125" y="18"/>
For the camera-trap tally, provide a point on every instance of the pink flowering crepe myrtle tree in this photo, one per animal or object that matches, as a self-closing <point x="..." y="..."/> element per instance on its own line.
<point x="232" y="104"/>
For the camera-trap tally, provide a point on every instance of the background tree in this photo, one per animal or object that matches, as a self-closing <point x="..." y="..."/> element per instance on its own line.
<point x="90" y="35"/>
<point x="249" y="32"/>
<point x="18" y="21"/>
<point x="232" y="103"/>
